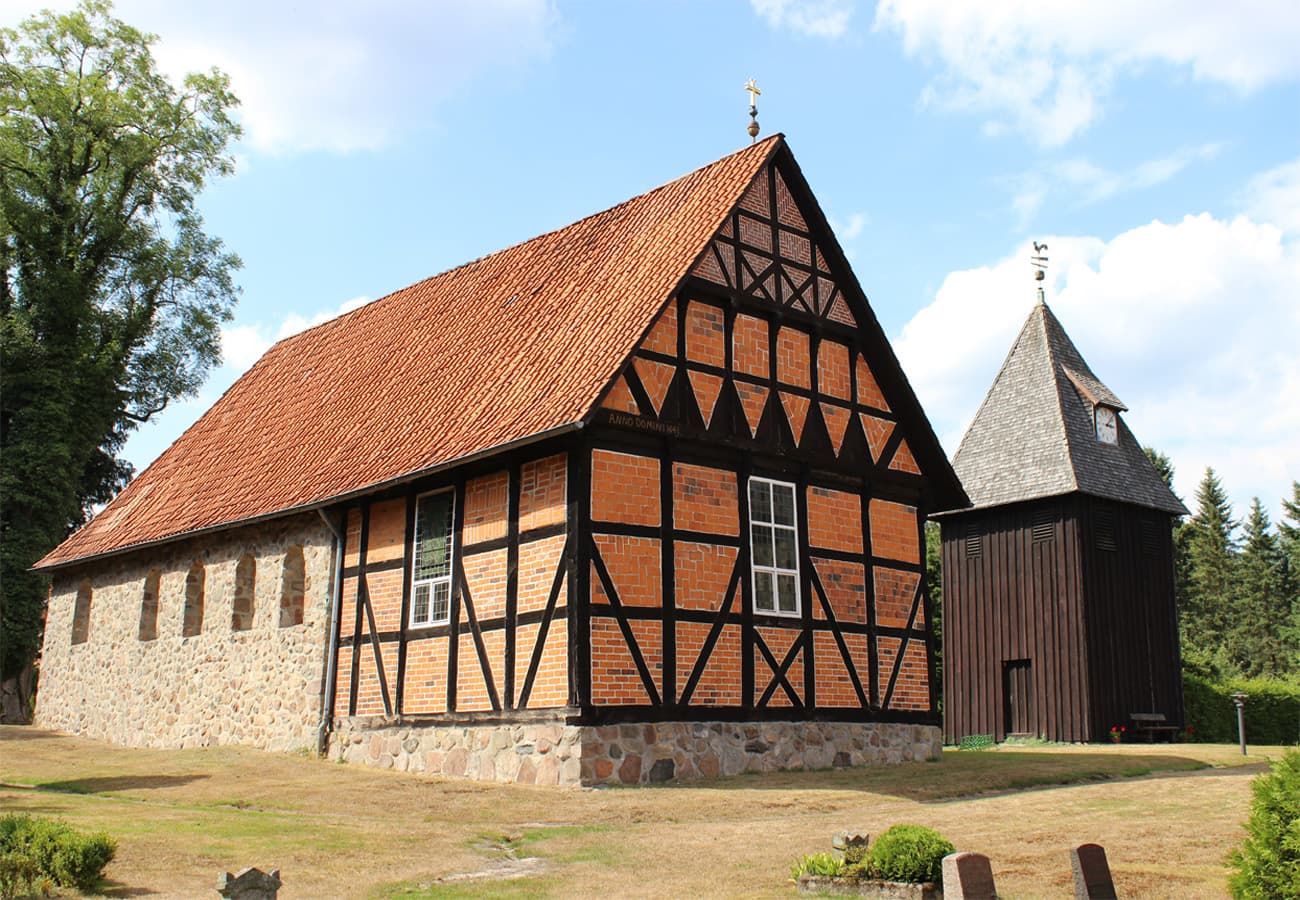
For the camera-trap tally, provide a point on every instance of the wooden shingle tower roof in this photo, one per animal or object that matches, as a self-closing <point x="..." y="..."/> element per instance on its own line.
<point x="1034" y="435"/>
<point x="503" y="351"/>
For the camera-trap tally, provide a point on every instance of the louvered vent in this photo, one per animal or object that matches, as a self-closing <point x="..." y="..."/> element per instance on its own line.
<point x="1104" y="530"/>
<point x="1150" y="544"/>
<point x="974" y="541"/>
<point x="1044" y="526"/>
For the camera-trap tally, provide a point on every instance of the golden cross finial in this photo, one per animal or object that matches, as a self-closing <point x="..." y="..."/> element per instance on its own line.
<point x="754" y="93"/>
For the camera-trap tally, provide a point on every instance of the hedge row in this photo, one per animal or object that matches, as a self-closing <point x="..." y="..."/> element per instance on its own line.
<point x="1272" y="709"/>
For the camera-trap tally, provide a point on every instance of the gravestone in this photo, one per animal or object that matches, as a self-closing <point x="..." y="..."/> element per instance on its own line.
<point x="968" y="876"/>
<point x="851" y="846"/>
<point x="250" y="884"/>
<point x="1092" y="879"/>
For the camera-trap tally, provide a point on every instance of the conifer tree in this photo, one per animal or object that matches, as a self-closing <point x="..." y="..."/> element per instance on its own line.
<point x="1261" y="616"/>
<point x="1212" y="561"/>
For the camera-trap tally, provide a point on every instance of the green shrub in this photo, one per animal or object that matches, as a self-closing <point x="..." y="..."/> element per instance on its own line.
<point x="823" y="864"/>
<point x="908" y="853"/>
<point x="976" y="742"/>
<point x="54" y="851"/>
<point x="1268" y="862"/>
<point x="1272" y="709"/>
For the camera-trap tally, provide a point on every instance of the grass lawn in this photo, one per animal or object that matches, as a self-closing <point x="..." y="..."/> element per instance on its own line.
<point x="1166" y="814"/>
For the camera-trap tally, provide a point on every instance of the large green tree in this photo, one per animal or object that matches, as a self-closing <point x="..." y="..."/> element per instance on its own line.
<point x="1260" y="628"/>
<point x="111" y="293"/>
<point x="1211" y="545"/>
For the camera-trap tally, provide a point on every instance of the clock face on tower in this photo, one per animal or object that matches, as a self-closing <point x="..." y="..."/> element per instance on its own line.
<point x="1107" y="425"/>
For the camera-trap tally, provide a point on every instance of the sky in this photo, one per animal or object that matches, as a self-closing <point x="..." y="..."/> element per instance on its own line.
<point x="1155" y="148"/>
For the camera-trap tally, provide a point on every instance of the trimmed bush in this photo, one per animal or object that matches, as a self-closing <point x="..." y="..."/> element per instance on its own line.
<point x="1272" y="709"/>
<point x="1268" y="862"/>
<point x="908" y="853"/>
<point x="38" y="849"/>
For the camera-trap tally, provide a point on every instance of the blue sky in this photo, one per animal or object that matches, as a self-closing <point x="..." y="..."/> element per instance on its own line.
<point x="1155" y="147"/>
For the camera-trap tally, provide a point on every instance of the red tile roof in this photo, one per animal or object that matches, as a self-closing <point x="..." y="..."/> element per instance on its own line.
<point x="499" y="350"/>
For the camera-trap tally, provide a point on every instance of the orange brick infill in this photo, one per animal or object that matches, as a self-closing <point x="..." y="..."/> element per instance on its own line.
<point x="834" y="519"/>
<point x="385" y="592"/>
<point x="624" y="488"/>
<point x="869" y="393"/>
<point x="387" y="532"/>
<point x="833" y="370"/>
<point x="663" y="335"/>
<point x="903" y="460"/>
<point x="425" y="686"/>
<point x="538" y="563"/>
<point x="845" y="584"/>
<point x="895" y="593"/>
<point x="620" y="398"/>
<point x="703" y="572"/>
<point x="792" y="359"/>
<point x="706" y="338"/>
<point x="719" y="683"/>
<point x="634" y="566"/>
<point x="551" y="683"/>
<point x="471" y="683"/>
<point x="543" y="494"/>
<point x="485" y="508"/>
<point x="912" y="690"/>
<point x="749" y="346"/>
<point x="485" y="579"/>
<point x="894" y="531"/>
<point x="704" y="499"/>
<point x="834" y="685"/>
<point x="615" y="680"/>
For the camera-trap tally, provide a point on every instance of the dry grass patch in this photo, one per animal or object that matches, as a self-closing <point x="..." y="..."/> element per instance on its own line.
<point x="182" y="816"/>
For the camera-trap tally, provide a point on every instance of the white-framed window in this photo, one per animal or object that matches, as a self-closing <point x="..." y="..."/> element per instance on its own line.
<point x="774" y="547"/>
<point x="431" y="559"/>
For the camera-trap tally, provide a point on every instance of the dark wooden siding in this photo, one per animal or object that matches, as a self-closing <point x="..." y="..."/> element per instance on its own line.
<point x="1016" y="599"/>
<point x="1091" y="609"/>
<point x="1133" y="656"/>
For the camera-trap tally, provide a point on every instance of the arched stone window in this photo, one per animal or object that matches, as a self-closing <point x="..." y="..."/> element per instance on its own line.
<point x="241" y="618"/>
<point x="81" y="613"/>
<point x="293" y="584"/>
<point x="149" y="606"/>
<point x="193" y="622"/>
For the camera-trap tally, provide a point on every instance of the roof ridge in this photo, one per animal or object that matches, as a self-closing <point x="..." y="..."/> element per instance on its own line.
<point x="1002" y="370"/>
<point x="1053" y="364"/>
<point x="777" y="137"/>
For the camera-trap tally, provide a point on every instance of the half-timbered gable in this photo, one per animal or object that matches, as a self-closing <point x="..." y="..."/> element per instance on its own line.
<point x="601" y="502"/>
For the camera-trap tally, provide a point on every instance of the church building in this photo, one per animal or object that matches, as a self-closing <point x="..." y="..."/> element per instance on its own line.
<point x="638" y="499"/>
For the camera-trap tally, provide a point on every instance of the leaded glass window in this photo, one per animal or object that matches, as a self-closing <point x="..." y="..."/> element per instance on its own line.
<point x="774" y="546"/>
<point x="431" y="567"/>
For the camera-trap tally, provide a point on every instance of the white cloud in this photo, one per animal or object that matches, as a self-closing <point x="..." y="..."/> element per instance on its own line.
<point x="850" y="228"/>
<point x="1193" y="324"/>
<point x="337" y="75"/>
<point x="1274" y="196"/>
<point x="1048" y="67"/>
<point x="1084" y="183"/>
<point x="815" y="18"/>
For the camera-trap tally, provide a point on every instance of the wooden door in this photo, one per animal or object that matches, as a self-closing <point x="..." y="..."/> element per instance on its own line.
<point x="1017" y="697"/>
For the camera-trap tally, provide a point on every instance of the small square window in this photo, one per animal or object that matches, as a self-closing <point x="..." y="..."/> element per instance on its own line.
<point x="774" y="547"/>
<point x="431" y="559"/>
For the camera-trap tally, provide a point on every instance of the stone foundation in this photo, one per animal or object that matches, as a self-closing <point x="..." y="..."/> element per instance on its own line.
<point x="559" y="754"/>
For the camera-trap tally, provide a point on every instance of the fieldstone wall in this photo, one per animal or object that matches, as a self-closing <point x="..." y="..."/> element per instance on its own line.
<point x="260" y="687"/>
<point x="562" y="754"/>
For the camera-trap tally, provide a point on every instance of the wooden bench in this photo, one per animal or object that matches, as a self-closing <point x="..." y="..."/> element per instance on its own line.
<point x="1151" y="725"/>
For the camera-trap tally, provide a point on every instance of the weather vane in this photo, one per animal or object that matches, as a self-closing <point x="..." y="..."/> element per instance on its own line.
<point x="1039" y="264"/>
<point x="754" y="94"/>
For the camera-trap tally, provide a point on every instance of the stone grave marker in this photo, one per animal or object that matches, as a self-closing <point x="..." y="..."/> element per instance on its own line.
<point x="968" y="876"/>
<point x="1092" y="879"/>
<point x="249" y="884"/>
<point x="851" y="846"/>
